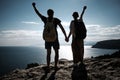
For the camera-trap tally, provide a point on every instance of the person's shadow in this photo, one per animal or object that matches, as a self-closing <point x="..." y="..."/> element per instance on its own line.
<point x="79" y="72"/>
<point x="51" y="77"/>
<point x="45" y="75"/>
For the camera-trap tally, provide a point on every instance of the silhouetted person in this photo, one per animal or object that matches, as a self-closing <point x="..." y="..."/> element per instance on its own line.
<point x="55" y="43"/>
<point x="77" y="43"/>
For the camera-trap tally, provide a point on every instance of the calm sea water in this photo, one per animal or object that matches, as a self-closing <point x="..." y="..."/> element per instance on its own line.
<point x="18" y="57"/>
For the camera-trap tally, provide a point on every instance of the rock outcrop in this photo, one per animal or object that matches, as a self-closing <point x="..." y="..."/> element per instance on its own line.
<point x="108" y="44"/>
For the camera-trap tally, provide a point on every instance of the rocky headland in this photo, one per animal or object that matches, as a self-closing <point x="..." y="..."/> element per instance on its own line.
<point x="96" y="68"/>
<point x="108" y="44"/>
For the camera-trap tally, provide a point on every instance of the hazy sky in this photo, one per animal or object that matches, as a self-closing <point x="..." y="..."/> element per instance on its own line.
<point x="19" y="24"/>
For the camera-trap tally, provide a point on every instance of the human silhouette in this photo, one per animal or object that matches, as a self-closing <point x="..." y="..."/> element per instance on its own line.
<point x="55" y="44"/>
<point x="77" y="44"/>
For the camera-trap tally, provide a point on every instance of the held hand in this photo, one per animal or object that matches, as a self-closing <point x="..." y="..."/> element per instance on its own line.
<point x="33" y="4"/>
<point x="66" y="39"/>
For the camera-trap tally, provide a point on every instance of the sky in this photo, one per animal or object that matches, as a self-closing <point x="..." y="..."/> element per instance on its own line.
<point x="20" y="26"/>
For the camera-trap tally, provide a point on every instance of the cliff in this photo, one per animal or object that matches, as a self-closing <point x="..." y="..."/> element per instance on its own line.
<point x="108" y="44"/>
<point x="92" y="69"/>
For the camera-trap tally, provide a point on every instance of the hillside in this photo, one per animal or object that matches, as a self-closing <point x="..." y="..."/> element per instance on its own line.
<point x="108" y="44"/>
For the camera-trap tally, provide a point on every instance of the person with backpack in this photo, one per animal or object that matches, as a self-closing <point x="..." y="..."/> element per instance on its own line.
<point x="50" y="34"/>
<point x="79" y="32"/>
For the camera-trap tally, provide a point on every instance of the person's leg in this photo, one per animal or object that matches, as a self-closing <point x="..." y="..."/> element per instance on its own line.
<point x="73" y="45"/>
<point x="56" y="57"/>
<point x="48" y="48"/>
<point x="82" y="55"/>
<point x="74" y="56"/>
<point x="48" y="57"/>
<point x="56" y="47"/>
<point x="81" y="50"/>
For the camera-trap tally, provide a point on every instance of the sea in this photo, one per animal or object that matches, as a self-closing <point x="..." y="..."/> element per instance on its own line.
<point x="13" y="57"/>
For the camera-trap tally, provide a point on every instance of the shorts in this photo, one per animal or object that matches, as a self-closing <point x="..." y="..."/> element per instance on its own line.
<point x="54" y="44"/>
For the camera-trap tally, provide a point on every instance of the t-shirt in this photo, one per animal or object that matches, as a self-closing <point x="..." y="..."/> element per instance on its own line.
<point x="56" y="22"/>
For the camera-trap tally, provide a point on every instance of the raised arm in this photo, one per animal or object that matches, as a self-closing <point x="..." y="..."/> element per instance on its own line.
<point x="37" y="12"/>
<point x="84" y="8"/>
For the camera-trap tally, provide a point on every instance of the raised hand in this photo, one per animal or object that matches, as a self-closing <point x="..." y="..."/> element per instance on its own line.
<point x="33" y="4"/>
<point x="85" y="7"/>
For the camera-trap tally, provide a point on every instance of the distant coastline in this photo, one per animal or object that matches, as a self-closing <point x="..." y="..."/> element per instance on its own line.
<point x="108" y="44"/>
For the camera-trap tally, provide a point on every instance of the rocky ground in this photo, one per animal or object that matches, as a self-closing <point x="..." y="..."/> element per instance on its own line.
<point x="92" y="69"/>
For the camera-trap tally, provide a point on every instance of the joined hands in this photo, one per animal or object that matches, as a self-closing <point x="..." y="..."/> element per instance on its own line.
<point x="67" y="39"/>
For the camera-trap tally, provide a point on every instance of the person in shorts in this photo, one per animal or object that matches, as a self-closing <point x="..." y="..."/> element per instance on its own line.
<point x="55" y="44"/>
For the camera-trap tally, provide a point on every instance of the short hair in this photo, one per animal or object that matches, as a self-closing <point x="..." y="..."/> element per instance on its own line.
<point x="75" y="14"/>
<point x="50" y="11"/>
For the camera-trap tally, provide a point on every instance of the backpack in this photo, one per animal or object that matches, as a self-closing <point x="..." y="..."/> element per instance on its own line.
<point x="49" y="32"/>
<point x="80" y="30"/>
